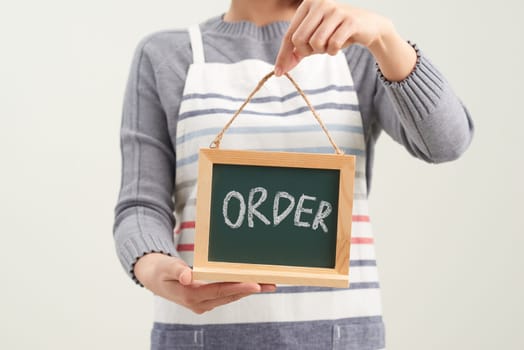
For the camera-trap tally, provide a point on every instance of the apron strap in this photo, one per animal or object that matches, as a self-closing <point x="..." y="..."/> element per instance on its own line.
<point x="196" y="44"/>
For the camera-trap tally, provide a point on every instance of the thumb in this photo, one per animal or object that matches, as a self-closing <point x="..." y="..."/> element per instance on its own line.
<point x="179" y="271"/>
<point x="287" y="58"/>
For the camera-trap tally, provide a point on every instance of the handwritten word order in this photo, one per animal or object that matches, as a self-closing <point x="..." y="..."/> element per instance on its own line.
<point x="322" y="212"/>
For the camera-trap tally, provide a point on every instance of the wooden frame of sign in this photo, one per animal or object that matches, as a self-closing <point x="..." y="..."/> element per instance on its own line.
<point x="204" y="269"/>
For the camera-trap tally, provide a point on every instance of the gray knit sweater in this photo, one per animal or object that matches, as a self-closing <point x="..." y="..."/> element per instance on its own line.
<point x="422" y="113"/>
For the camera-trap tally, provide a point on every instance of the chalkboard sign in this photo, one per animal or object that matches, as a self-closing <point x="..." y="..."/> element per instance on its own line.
<point x="272" y="217"/>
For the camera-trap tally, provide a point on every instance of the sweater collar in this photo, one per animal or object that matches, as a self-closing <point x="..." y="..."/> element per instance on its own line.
<point x="247" y="29"/>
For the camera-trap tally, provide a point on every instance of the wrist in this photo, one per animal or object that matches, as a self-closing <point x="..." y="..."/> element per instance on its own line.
<point x="147" y="266"/>
<point x="387" y="38"/>
<point x="395" y="57"/>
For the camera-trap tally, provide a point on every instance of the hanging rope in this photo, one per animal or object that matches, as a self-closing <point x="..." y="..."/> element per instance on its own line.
<point x="218" y="138"/>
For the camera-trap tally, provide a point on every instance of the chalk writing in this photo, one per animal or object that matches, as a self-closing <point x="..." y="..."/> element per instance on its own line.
<point x="258" y="195"/>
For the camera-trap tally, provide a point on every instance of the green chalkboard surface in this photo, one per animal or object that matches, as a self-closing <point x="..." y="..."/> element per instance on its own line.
<point x="274" y="215"/>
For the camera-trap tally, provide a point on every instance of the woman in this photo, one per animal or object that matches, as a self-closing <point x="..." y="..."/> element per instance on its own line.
<point x="184" y="85"/>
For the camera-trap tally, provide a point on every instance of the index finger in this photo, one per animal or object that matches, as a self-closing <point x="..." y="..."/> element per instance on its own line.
<point x="286" y="58"/>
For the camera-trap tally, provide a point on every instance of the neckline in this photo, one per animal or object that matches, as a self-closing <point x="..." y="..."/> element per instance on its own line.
<point x="245" y="28"/>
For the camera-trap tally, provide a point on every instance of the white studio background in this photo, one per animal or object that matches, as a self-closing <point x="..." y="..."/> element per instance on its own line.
<point x="449" y="236"/>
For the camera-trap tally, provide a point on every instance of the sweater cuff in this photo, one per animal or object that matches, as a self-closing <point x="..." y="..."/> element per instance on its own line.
<point x="131" y="246"/>
<point x="420" y="92"/>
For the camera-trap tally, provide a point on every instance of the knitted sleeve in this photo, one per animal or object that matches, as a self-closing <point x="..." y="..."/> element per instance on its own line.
<point x="143" y="214"/>
<point x="421" y="112"/>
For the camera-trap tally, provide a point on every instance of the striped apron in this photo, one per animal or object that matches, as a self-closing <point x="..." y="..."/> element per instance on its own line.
<point x="276" y="120"/>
